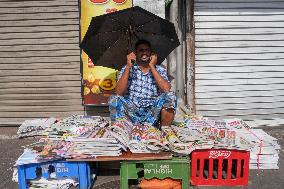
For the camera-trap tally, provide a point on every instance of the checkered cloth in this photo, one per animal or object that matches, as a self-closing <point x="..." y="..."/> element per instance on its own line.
<point x="142" y="87"/>
<point x="121" y="107"/>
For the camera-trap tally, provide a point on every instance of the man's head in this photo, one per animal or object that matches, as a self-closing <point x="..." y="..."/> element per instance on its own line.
<point x="143" y="51"/>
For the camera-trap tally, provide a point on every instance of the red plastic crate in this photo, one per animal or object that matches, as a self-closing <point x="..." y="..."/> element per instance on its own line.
<point x="219" y="168"/>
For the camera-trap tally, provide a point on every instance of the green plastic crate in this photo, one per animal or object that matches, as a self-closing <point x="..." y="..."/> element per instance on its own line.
<point x="176" y="168"/>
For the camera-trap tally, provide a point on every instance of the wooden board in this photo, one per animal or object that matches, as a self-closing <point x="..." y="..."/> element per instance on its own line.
<point x="128" y="156"/>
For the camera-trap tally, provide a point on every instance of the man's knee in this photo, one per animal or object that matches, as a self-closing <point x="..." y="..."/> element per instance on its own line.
<point x="167" y="116"/>
<point x="168" y="111"/>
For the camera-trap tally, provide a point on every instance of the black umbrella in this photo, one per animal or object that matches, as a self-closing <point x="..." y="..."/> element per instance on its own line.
<point x="111" y="37"/>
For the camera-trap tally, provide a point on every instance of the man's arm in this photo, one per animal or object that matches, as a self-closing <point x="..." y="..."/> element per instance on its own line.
<point x="122" y="83"/>
<point x="162" y="83"/>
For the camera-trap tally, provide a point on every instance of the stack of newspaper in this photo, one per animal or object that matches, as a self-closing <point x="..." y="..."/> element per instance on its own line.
<point x="144" y="138"/>
<point x="130" y="135"/>
<point x="34" y="127"/>
<point x="217" y="134"/>
<point x="94" y="143"/>
<point x="264" y="154"/>
<point x="28" y="156"/>
<point x="44" y="150"/>
<point x="75" y="125"/>
<point x="73" y="137"/>
<point x="233" y="134"/>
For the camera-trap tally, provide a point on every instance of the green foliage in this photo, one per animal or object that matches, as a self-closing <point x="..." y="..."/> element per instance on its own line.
<point x="168" y="2"/>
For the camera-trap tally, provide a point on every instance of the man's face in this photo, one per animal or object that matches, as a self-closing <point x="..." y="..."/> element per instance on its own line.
<point x="143" y="53"/>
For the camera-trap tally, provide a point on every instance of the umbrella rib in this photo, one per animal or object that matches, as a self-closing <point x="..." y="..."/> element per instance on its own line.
<point x="129" y="36"/>
<point x="111" y="46"/>
<point x="136" y="35"/>
<point x="141" y="31"/>
<point x="123" y="25"/>
<point x="106" y="32"/>
<point x="147" y="22"/>
<point x="129" y="41"/>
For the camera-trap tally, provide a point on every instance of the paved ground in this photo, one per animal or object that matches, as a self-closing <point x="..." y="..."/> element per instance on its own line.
<point x="10" y="149"/>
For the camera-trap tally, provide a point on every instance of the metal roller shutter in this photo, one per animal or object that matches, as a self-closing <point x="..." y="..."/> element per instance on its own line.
<point x="39" y="60"/>
<point x="240" y="59"/>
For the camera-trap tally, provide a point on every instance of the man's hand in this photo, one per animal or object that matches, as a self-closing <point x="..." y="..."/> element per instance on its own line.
<point x="121" y="85"/>
<point x="162" y="83"/>
<point x="153" y="60"/>
<point x="130" y="58"/>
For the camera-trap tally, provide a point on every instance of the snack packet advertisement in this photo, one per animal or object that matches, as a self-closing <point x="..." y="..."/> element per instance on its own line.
<point x="98" y="82"/>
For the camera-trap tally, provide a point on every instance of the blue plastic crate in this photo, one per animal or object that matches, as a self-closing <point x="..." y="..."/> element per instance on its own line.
<point x="62" y="169"/>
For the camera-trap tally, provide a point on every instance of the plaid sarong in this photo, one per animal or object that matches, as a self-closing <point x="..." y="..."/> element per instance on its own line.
<point x="121" y="107"/>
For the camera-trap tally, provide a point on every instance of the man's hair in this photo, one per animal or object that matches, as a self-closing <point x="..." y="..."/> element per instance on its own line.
<point x="142" y="41"/>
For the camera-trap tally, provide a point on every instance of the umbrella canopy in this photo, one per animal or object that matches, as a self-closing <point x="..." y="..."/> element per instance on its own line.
<point x="111" y="37"/>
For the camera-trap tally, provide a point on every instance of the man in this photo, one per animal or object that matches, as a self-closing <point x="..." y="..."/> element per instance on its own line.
<point x="143" y="90"/>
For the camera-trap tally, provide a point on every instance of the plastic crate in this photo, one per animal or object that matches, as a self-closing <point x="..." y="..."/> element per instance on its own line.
<point x="62" y="169"/>
<point x="176" y="168"/>
<point x="219" y="168"/>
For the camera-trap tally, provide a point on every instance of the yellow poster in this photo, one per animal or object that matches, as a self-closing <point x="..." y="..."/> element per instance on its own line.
<point x="98" y="82"/>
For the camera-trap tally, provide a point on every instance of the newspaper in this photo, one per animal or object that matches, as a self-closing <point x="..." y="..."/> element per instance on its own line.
<point x="145" y="138"/>
<point x="93" y="143"/>
<point x="121" y="130"/>
<point x="52" y="183"/>
<point x="233" y="134"/>
<point x="73" y="137"/>
<point x="85" y="137"/>
<point x="265" y="153"/>
<point x="34" y="127"/>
